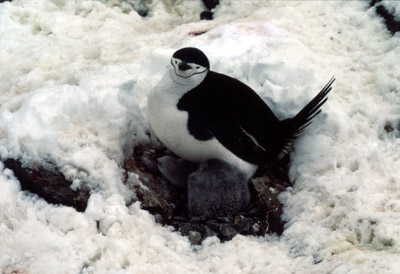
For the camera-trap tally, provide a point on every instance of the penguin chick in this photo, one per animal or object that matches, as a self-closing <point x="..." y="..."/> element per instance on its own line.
<point x="217" y="189"/>
<point x="176" y="171"/>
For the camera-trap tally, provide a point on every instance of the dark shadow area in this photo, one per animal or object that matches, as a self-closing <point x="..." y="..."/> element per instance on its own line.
<point x="391" y="23"/>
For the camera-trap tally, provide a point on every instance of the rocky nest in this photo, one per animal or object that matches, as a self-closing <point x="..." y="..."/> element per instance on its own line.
<point x="168" y="203"/>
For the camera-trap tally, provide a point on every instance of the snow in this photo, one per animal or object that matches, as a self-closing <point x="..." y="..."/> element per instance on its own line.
<point x="74" y="79"/>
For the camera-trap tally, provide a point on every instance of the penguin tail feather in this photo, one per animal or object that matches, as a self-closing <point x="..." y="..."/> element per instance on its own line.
<point x="297" y="124"/>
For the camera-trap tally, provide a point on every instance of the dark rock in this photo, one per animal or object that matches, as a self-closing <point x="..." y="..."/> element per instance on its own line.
<point x="148" y="163"/>
<point x="138" y="5"/>
<point x="228" y="231"/>
<point x="180" y="219"/>
<point x="197" y="33"/>
<point x="373" y="2"/>
<point x="242" y="224"/>
<point x="227" y="220"/>
<point x="209" y="232"/>
<point x="158" y="218"/>
<point x="213" y="225"/>
<point x="49" y="183"/>
<point x="185" y="228"/>
<point x="199" y="227"/>
<point x="206" y="15"/>
<point x="391" y="23"/>
<point x="211" y="4"/>
<point x="255" y="228"/>
<point x="267" y="186"/>
<point x="388" y="127"/>
<point x="158" y="193"/>
<point x="143" y="12"/>
<point x="195" y="237"/>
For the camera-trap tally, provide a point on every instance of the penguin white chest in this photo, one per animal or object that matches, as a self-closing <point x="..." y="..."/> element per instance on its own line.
<point x="171" y="126"/>
<point x="169" y="123"/>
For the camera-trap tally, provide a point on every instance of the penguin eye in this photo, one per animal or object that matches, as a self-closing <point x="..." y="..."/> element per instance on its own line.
<point x="197" y="67"/>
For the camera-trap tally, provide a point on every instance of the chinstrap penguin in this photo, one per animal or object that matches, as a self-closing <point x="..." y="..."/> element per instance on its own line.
<point x="200" y="115"/>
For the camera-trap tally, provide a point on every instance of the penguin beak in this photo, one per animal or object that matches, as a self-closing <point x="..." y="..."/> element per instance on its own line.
<point x="183" y="66"/>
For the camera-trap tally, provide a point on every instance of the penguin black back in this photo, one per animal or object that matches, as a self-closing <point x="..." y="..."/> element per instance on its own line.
<point x="227" y="109"/>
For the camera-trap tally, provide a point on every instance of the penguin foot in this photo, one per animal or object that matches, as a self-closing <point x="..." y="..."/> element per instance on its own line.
<point x="217" y="189"/>
<point x="176" y="171"/>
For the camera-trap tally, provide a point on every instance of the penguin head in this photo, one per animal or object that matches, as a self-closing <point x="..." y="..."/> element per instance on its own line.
<point x="189" y="66"/>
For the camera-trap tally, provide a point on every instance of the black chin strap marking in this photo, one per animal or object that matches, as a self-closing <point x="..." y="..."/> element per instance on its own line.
<point x="200" y="72"/>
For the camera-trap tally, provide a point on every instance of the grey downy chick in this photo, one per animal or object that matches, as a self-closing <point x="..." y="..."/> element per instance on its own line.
<point x="217" y="189"/>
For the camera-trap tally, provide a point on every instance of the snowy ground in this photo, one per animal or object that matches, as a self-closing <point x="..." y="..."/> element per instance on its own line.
<point x="74" y="79"/>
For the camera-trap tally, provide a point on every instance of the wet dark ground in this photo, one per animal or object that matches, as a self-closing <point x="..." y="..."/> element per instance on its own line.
<point x="391" y="23"/>
<point x="167" y="202"/>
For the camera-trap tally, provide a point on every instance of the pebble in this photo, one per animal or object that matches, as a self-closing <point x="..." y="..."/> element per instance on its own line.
<point x="228" y="231"/>
<point x="255" y="228"/>
<point x="194" y="237"/>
